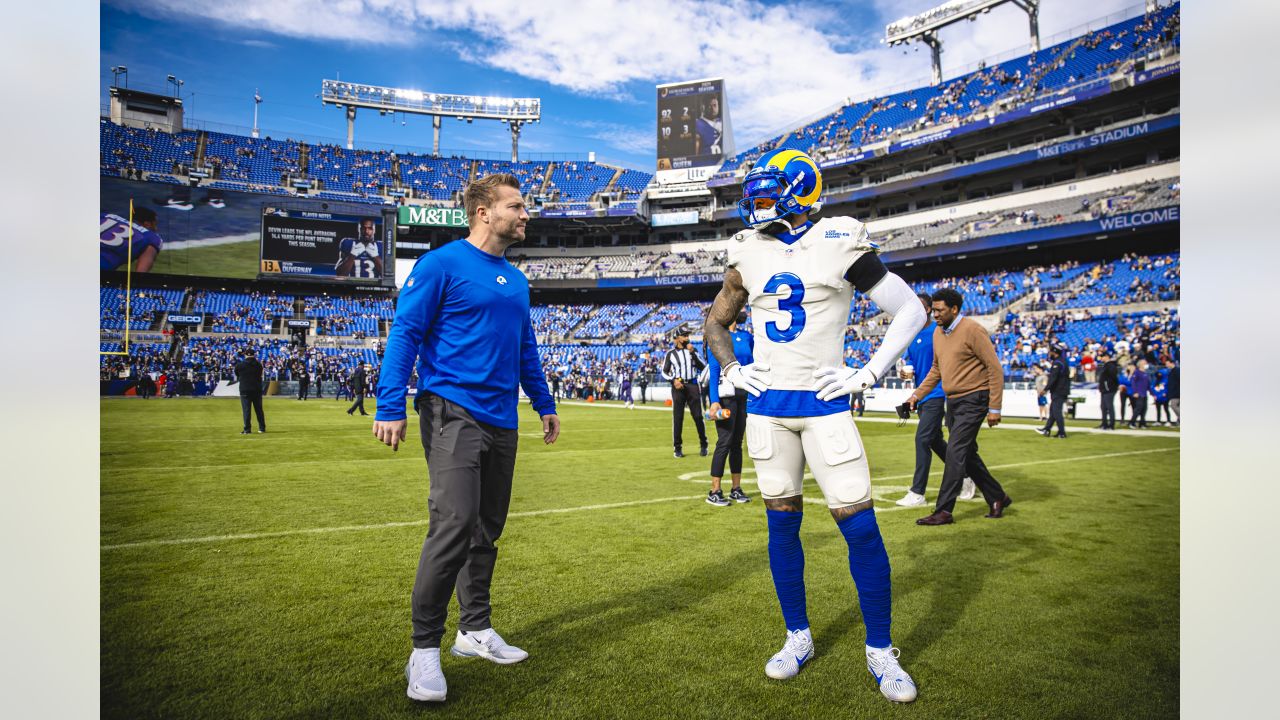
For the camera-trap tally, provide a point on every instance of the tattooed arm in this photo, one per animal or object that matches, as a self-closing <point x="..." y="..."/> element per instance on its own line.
<point x="725" y="309"/>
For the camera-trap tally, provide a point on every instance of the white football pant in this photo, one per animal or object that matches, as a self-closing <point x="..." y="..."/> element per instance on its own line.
<point x="830" y="444"/>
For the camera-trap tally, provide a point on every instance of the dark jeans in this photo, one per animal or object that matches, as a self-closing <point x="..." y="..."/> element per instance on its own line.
<point x="358" y="404"/>
<point x="1139" y="410"/>
<point x="643" y="388"/>
<point x="686" y="396"/>
<point x="1165" y="407"/>
<point x="928" y="441"/>
<point x="965" y="415"/>
<point x="1109" y="409"/>
<point x="729" y="434"/>
<point x="470" y="465"/>
<point x="1056" y="402"/>
<point x="254" y="400"/>
<point x="302" y="388"/>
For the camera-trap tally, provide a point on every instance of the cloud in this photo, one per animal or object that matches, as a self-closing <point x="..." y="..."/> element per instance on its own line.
<point x="625" y="138"/>
<point x="780" y="65"/>
<point x="258" y="44"/>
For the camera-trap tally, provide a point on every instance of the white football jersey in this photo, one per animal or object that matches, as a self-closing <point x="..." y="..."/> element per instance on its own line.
<point x="799" y="296"/>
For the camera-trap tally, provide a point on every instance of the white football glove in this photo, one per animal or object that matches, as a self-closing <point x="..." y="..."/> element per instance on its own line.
<point x="832" y="382"/>
<point x="726" y="388"/>
<point x="753" y="378"/>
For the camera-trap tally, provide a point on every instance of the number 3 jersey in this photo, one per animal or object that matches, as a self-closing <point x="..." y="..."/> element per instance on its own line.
<point x="799" y="295"/>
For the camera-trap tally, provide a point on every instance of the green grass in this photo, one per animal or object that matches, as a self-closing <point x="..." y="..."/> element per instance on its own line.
<point x="1067" y="608"/>
<point x="232" y="260"/>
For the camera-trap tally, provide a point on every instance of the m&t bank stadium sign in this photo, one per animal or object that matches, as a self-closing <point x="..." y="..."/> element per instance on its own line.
<point x="435" y="217"/>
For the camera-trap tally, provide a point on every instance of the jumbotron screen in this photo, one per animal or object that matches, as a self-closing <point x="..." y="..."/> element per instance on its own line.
<point x="327" y="246"/>
<point x="691" y="124"/>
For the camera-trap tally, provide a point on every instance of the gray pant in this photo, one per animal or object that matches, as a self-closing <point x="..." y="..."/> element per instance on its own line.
<point x="928" y="441"/>
<point x="470" y="464"/>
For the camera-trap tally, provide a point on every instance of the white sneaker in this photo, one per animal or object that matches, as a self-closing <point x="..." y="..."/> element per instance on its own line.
<point x="912" y="499"/>
<point x="426" y="679"/>
<point x="967" y="490"/>
<point x="894" y="682"/>
<point x="797" y="651"/>
<point x="488" y="645"/>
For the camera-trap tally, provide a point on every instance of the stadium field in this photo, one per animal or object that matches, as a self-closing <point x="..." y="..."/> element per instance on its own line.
<point x="268" y="576"/>
<point x="238" y="260"/>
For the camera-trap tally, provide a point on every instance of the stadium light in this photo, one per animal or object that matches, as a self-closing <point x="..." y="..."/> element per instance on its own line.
<point x="116" y="72"/>
<point x="512" y="111"/>
<point x="923" y="28"/>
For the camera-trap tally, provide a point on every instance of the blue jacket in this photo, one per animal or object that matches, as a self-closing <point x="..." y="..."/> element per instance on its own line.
<point x="920" y="355"/>
<point x="464" y="315"/>
<point x="744" y="346"/>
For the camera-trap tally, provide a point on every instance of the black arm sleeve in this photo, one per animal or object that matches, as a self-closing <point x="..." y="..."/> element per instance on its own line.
<point x="866" y="271"/>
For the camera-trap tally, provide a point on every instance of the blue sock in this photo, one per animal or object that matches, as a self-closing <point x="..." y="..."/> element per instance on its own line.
<point x="869" y="566"/>
<point x="786" y="562"/>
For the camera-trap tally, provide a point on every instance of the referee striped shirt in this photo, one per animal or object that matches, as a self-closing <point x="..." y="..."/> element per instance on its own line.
<point x="682" y="363"/>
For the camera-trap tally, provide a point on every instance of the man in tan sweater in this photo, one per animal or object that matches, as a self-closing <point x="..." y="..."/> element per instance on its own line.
<point x="965" y="362"/>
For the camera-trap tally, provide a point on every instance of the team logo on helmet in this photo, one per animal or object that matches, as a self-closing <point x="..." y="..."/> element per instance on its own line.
<point x="780" y="183"/>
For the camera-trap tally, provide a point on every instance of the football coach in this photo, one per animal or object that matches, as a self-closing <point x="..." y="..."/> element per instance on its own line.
<point x="464" y="313"/>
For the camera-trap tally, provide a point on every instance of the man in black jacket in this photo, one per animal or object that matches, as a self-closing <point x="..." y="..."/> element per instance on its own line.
<point x="1108" y="384"/>
<point x="357" y="387"/>
<point x="1058" y="387"/>
<point x="249" y="375"/>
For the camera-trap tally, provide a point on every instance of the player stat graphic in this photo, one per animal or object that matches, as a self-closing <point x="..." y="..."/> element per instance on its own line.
<point x="321" y="244"/>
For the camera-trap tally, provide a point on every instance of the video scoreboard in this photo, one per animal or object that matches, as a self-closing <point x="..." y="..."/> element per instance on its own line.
<point x="301" y="242"/>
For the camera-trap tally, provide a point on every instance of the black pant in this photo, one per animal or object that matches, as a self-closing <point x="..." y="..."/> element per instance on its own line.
<point x="857" y="404"/>
<point x="729" y="434"/>
<point x="319" y="388"/>
<point x="358" y="404"/>
<point x="1056" y="401"/>
<point x="687" y="395"/>
<point x="965" y="416"/>
<point x="256" y="401"/>
<point x="1139" y="403"/>
<point x="643" y="387"/>
<point x="470" y="464"/>
<point x="928" y="441"/>
<point x="302" y="388"/>
<point x="1125" y="399"/>
<point x="1109" y="410"/>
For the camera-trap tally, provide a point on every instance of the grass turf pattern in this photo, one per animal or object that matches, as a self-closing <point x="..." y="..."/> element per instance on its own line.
<point x="1067" y="608"/>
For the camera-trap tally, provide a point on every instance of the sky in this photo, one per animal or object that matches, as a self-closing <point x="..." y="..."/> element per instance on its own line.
<point x="594" y="63"/>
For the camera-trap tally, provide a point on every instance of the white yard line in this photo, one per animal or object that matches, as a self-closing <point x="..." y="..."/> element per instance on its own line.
<point x="1172" y="434"/>
<point x="381" y="526"/>
<point x="583" y="508"/>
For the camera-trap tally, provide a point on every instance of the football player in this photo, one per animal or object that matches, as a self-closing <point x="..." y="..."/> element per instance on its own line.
<point x="360" y="257"/>
<point x="114" y="242"/>
<point x="799" y="274"/>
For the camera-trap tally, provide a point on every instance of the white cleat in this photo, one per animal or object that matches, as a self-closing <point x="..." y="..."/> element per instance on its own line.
<point x="912" y="499"/>
<point x="426" y="679"/>
<point x="488" y="645"/>
<point x="797" y="651"/>
<point x="894" y="682"/>
<point x="968" y="489"/>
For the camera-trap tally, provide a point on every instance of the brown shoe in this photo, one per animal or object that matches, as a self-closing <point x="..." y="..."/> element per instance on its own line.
<point x="997" y="508"/>
<point x="941" y="517"/>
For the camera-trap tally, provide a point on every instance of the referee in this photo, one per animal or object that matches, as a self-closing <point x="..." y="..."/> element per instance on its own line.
<point x="681" y="367"/>
<point x="464" y="314"/>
